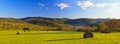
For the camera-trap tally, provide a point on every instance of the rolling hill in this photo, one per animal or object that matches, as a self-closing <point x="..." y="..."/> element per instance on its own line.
<point x="44" y="23"/>
<point x="74" y="22"/>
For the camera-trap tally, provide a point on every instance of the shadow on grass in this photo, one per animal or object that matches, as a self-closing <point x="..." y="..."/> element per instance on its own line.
<point x="65" y="39"/>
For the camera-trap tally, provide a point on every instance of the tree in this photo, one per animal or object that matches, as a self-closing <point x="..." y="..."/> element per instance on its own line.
<point x="101" y="26"/>
<point x="26" y="29"/>
<point x="59" y="29"/>
<point x="113" y="24"/>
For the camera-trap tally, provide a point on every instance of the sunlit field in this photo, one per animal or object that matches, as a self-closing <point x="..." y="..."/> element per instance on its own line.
<point x="57" y="37"/>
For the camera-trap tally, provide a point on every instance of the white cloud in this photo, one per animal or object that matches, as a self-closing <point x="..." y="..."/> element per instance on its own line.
<point x="115" y="7"/>
<point x="85" y="4"/>
<point x="99" y="5"/>
<point x="113" y="4"/>
<point x="41" y="5"/>
<point x="88" y="3"/>
<point x="79" y="4"/>
<point x="62" y="5"/>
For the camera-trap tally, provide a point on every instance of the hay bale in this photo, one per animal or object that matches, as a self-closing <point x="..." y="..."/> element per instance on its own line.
<point x="88" y="34"/>
<point x="18" y="33"/>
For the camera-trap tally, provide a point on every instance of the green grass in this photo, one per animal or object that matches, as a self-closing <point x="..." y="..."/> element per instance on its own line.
<point x="57" y="37"/>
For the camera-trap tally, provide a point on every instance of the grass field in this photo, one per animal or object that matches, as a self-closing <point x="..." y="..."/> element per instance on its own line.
<point x="42" y="37"/>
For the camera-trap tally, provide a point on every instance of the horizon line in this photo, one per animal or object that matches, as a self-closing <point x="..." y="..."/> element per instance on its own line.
<point x="61" y="17"/>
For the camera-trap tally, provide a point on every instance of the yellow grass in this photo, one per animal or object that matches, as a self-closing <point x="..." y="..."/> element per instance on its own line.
<point x="57" y="37"/>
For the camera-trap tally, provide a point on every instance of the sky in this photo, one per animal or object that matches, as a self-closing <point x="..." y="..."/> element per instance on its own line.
<point x="60" y="8"/>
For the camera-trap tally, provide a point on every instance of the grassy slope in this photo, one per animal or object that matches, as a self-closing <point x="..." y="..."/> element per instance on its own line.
<point x="33" y="37"/>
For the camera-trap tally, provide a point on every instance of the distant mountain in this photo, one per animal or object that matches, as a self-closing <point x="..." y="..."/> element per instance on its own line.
<point x="34" y="24"/>
<point x="44" y="23"/>
<point x="14" y="24"/>
<point x="53" y="21"/>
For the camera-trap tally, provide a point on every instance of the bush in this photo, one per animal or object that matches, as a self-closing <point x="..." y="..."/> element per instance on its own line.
<point x="106" y="31"/>
<point x="25" y="29"/>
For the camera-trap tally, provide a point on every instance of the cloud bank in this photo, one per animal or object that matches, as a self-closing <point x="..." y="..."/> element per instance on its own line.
<point x="113" y="7"/>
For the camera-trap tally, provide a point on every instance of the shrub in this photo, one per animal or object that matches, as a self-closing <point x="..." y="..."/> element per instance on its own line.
<point x="25" y="29"/>
<point x="106" y="31"/>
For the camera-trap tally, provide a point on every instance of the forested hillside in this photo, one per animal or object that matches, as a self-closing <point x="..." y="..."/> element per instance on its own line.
<point x="43" y="23"/>
<point x="54" y="21"/>
<point x="12" y="24"/>
<point x="58" y="24"/>
<point x="82" y="21"/>
<point x="16" y="24"/>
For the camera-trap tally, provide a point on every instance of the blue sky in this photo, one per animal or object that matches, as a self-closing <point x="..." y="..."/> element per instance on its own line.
<point x="60" y="8"/>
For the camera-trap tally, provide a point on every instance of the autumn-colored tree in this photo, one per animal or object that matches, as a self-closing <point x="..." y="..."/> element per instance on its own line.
<point x="101" y="27"/>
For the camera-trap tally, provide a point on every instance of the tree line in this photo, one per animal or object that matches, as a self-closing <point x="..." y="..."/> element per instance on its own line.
<point x="13" y="24"/>
<point x="105" y="26"/>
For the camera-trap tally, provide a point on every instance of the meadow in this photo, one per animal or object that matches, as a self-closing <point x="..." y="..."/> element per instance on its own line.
<point x="57" y="37"/>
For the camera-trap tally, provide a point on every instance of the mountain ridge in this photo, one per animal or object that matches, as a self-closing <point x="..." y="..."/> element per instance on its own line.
<point x="74" y="22"/>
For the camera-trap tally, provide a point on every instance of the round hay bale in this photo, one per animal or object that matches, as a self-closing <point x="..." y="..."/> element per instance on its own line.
<point x="18" y="33"/>
<point x="88" y="34"/>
